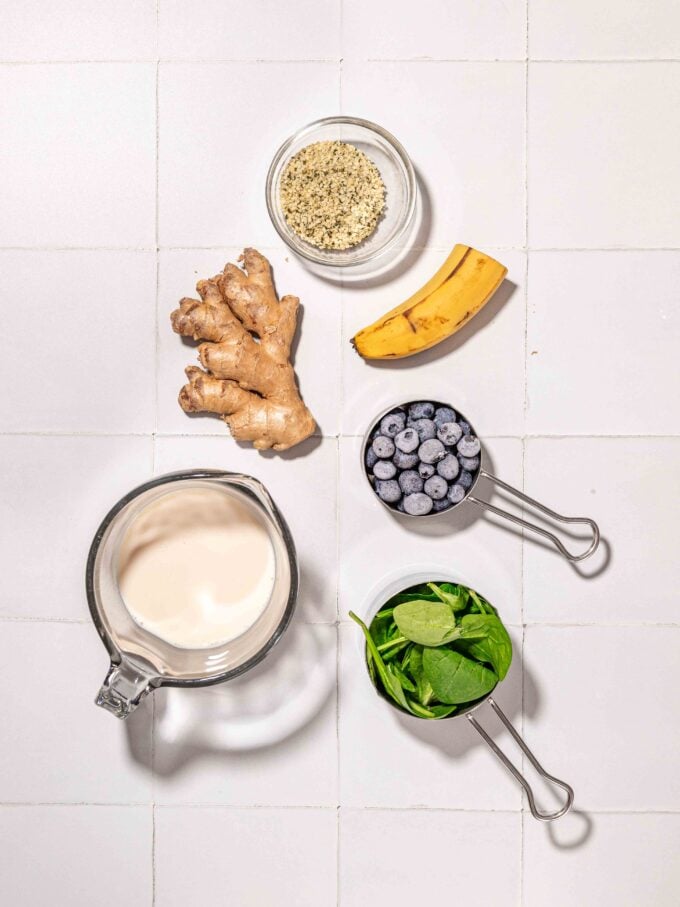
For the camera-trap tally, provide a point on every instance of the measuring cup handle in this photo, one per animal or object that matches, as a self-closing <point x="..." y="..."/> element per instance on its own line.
<point x="535" y="812"/>
<point x="558" y="517"/>
<point x="123" y="689"/>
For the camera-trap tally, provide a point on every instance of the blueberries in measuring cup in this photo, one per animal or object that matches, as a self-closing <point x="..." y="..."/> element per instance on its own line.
<point x="422" y="458"/>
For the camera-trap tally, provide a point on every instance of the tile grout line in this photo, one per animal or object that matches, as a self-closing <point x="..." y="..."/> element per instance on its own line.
<point x="251" y="61"/>
<point x="338" y="817"/>
<point x="415" y="248"/>
<point x="154" y="452"/>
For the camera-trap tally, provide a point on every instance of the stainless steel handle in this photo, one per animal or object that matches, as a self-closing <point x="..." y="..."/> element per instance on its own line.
<point x="535" y="812"/>
<point x="558" y="517"/>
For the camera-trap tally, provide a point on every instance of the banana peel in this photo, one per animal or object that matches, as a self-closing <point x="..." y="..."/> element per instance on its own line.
<point x="459" y="289"/>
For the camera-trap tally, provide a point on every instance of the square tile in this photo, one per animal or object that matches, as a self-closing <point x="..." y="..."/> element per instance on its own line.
<point x="630" y="486"/>
<point x="77" y="166"/>
<point x="466" y="369"/>
<point x="86" y="347"/>
<point x="602" y="709"/>
<point x="439" y="31"/>
<point x="256" y="857"/>
<point x="318" y="339"/>
<point x="218" y="30"/>
<point x="73" y="855"/>
<point x="372" y="838"/>
<point x="303" y="485"/>
<point x="602" y="155"/>
<point x="58" y="747"/>
<point x="585" y="30"/>
<point x="472" y="178"/>
<point x="55" y="492"/>
<point x="388" y="759"/>
<point x="609" y="321"/>
<point x="79" y="30"/>
<point x="216" y="144"/>
<point x="377" y="544"/>
<point x="267" y="738"/>
<point x="627" y="860"/>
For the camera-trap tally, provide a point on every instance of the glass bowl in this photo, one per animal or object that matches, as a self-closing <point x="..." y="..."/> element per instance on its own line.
<point x="395" y="169"/>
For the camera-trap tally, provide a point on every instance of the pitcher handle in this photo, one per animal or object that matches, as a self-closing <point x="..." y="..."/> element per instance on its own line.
<point x="535" y="812"/>
<point x="124" y="688"/>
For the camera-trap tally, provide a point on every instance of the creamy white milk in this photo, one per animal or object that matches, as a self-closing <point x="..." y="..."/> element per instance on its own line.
<point x="196" y="568"/>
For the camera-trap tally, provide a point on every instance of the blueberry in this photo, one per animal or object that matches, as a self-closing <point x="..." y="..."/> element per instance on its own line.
<point x="467" y="428"/>
<point x="371" y="457"/>
<point x="384" y="469"/>
<point x="465" y="479"/>
<point x="469" y="446"/>
<point x="383" y="447"/>
<point x="425" y="470"/>
<point x="456" y="494"/>
<point x="431" y="451"/>
<point x="436" y="488"/>
<point x="448" y="468"/>
<point x="469" y="463"/>
<point x="421" y="411"/>
<point x="389" y="491"/>
<point x="449" y="432"/>
<point x="404" y="460"/>
<point x="444" y="414"/>
<point x="438" y="506"/>
<point x="426" y="429"/>
<point x="392" y="424"/>
<point x="407" y="440"/>
<point x="410" y="482"/>
<point x="418" y="504"/>
<point x="400" y="506"/>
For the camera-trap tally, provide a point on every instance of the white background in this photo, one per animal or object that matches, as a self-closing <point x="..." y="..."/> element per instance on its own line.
<point x="135" y="142"/>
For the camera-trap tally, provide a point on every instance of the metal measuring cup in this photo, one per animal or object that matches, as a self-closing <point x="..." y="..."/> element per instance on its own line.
<point x="472" y="499"/>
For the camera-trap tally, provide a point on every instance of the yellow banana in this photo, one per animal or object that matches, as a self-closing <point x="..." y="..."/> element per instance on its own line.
<point x="460" y="288"/>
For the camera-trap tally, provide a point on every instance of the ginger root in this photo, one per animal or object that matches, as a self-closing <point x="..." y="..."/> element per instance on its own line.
<point x="246" y="377"/>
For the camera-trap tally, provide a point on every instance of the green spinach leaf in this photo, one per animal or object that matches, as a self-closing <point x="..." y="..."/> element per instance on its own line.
<point x="390" y="683"/>
<point x="456" y="679"/>
<point x="484" y="637"/>
<point x="424" y="687"/>
<point x="452" y="595"/>
<point x="427" y="623"/>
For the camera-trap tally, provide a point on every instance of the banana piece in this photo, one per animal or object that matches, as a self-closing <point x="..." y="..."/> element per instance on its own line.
<point x="460" y="288"/>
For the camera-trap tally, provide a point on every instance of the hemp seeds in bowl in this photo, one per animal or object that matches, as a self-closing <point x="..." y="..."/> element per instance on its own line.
<point x="341" y="192"/>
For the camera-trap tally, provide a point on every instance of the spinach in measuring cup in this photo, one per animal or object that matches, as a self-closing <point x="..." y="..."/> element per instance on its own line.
<point x="436" y="648"/>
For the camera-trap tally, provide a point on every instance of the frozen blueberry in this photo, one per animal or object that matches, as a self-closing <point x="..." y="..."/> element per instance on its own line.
<point x="469" y="463"/>
<point x="456" y="494"/>
<point x="426" y="429"/>
<point x="407" y="440"/>
<point x="418" y="504"/>
<point x="449" y="432"/>
<point x="444" y="414"/>
<point x="392" y="424"/>
<point x="371" y="458"/>
<point x="410" y="482"/>
<point x="383" y="447"/>
<point x="438" y="506"/>
<point x="425" y="470"/>
<point x="436" y="488"/>
<point x="467" y="428"/>
<point x="384" y="469"/>
<point x="469" y="446"/>
<point x="448" y="468"/>
<point x="431" y="451"/>
<point x="421" y="411"/>
<point x="400" y="506"/>
<point x="404" y="460"/>
<point x="389" y="491"/>
<point x="465" y="479"/>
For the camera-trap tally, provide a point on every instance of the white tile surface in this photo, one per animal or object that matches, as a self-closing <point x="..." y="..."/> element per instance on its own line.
<point x="57" y="747"/>
<point x="602" y="155"/>
<point x="218" y="30"/>
<point x="627" y="860"/>
<point x="468" y="843"/>
<point x="77" y="163"/>
<point x="79" y="30"/>
<point x="254" y="857"/>
<point x="265" y="739"/>
<point x="75" y="855"/>
<point x="55" y="492"/>
<point x="437" y="31"/>
<point x="630" y="486"/>
<point x="217" y="139"/>
<point x="83" y="357"/>
<point x="603" y="334"/>
<point x="462" y="124"/>
<point x="463" y="370"/>
<point x="318" y="336"/>
<point x="583" y="29"/>
<point x="311" y="515"/>
<point x="604" y="712"/>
